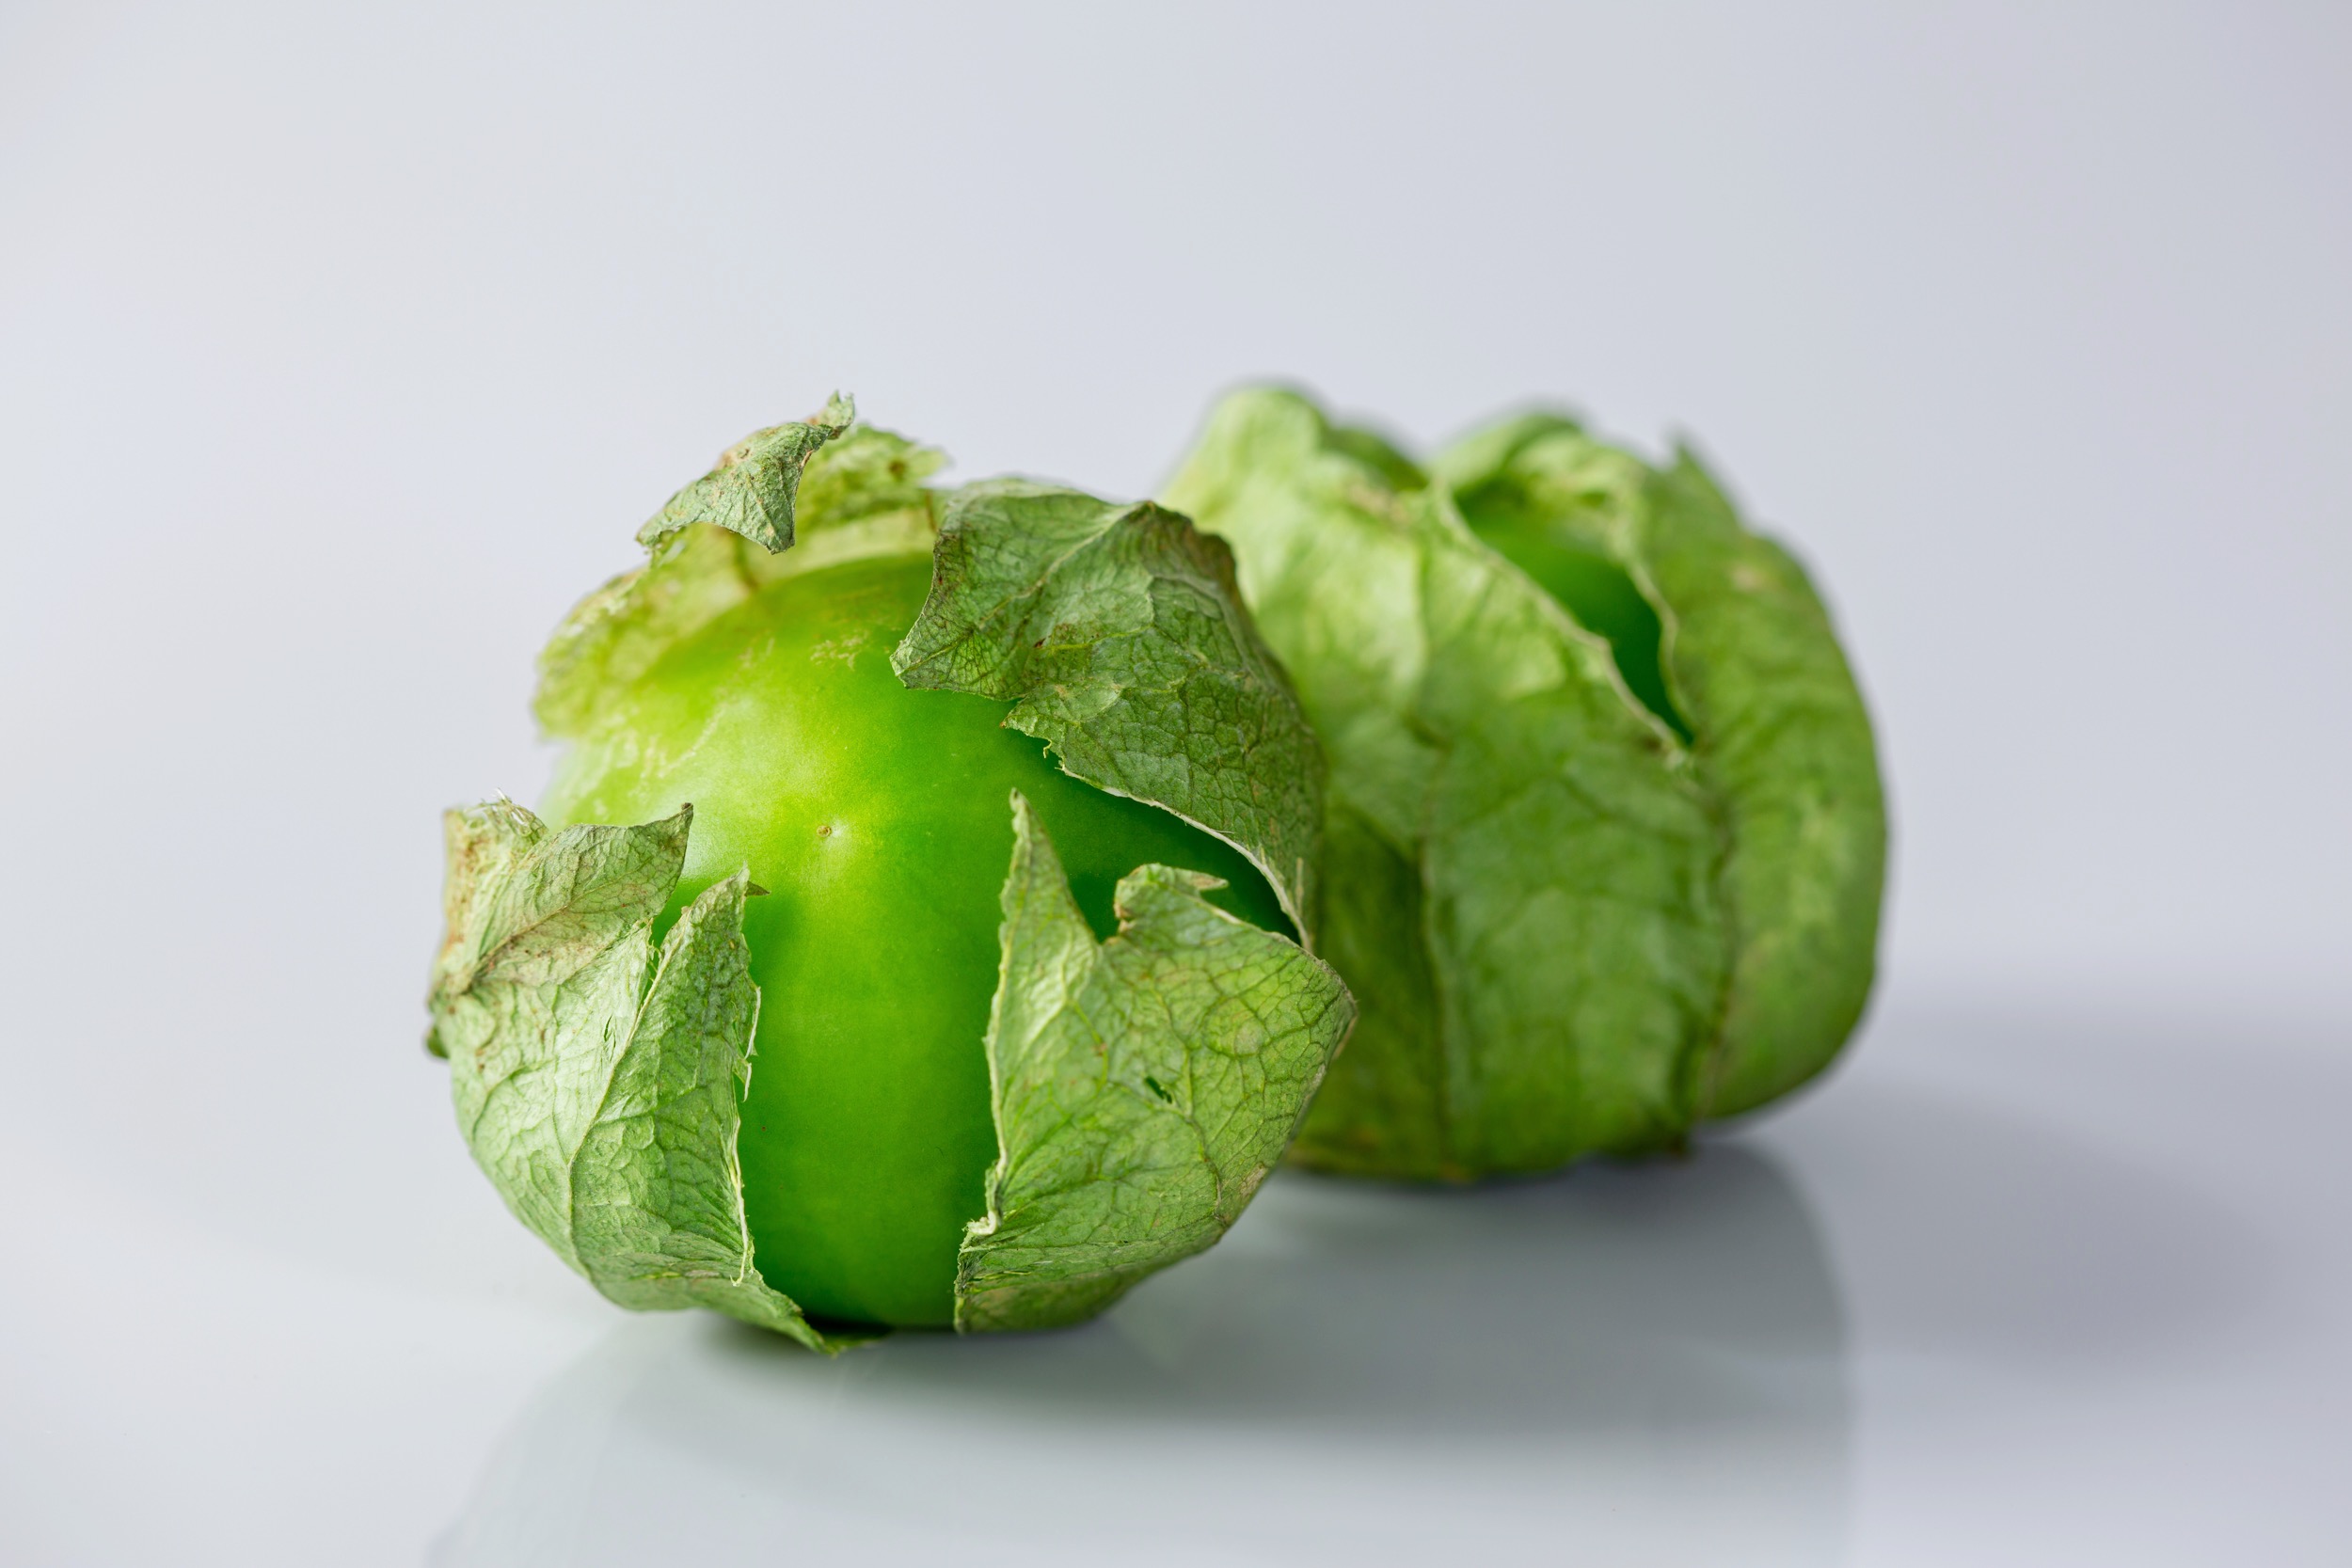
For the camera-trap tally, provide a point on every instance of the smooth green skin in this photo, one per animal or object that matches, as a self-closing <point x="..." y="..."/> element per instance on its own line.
<point x="879" y="819"/>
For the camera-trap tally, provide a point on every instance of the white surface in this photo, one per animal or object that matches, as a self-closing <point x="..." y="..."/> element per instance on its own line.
<point x="2028" y="1284"/>
<point x="1916" y="1321"/>
<point x="340" y="349"/>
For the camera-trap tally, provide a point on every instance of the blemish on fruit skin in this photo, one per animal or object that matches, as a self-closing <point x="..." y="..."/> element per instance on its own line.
<point x="824" y="829"/>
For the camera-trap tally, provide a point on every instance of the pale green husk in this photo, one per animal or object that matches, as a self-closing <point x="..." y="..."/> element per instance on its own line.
<point x="1568" y="930"/>
<point x="1143" y="1085"/>
<point x="1117" y="634"/>
<point x="751" y="489"/>
<point x="841" y="493"/>
<point x="597" y="1079"/>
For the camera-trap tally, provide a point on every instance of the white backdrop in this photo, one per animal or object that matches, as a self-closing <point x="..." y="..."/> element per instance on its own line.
<point x="341" y="348"/>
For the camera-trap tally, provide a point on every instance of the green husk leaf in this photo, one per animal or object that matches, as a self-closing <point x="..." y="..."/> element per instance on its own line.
<point x="1117" y="633"/>
<point x="1781" y="739"/>
<point x="846" y="496"/>
<point x="1549" y="903"/>
<point x="1142" y="1086"/>
<point x="751" y="488"/>
<point x="598" y="1076"/>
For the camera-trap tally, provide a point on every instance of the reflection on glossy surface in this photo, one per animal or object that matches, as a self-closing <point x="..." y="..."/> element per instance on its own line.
<point x="1645" y="1360"/>
<point x="2091" y="1288"/>
<point x="2083" y="1285"/>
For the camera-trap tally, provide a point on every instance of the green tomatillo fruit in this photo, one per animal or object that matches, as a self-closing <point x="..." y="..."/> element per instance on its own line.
<point x="1604" y="840"/>
<point x="950" y="978"/>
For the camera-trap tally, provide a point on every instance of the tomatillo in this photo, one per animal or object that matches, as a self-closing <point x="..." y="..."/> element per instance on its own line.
<point x="978" y="833"/>
<point x="876" y="819"/>
<point x="1605" y="840"/>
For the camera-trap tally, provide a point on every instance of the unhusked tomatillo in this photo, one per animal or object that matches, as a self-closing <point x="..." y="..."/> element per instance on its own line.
<point x="913" y="933"/>
<point x="1604" y="840"/>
